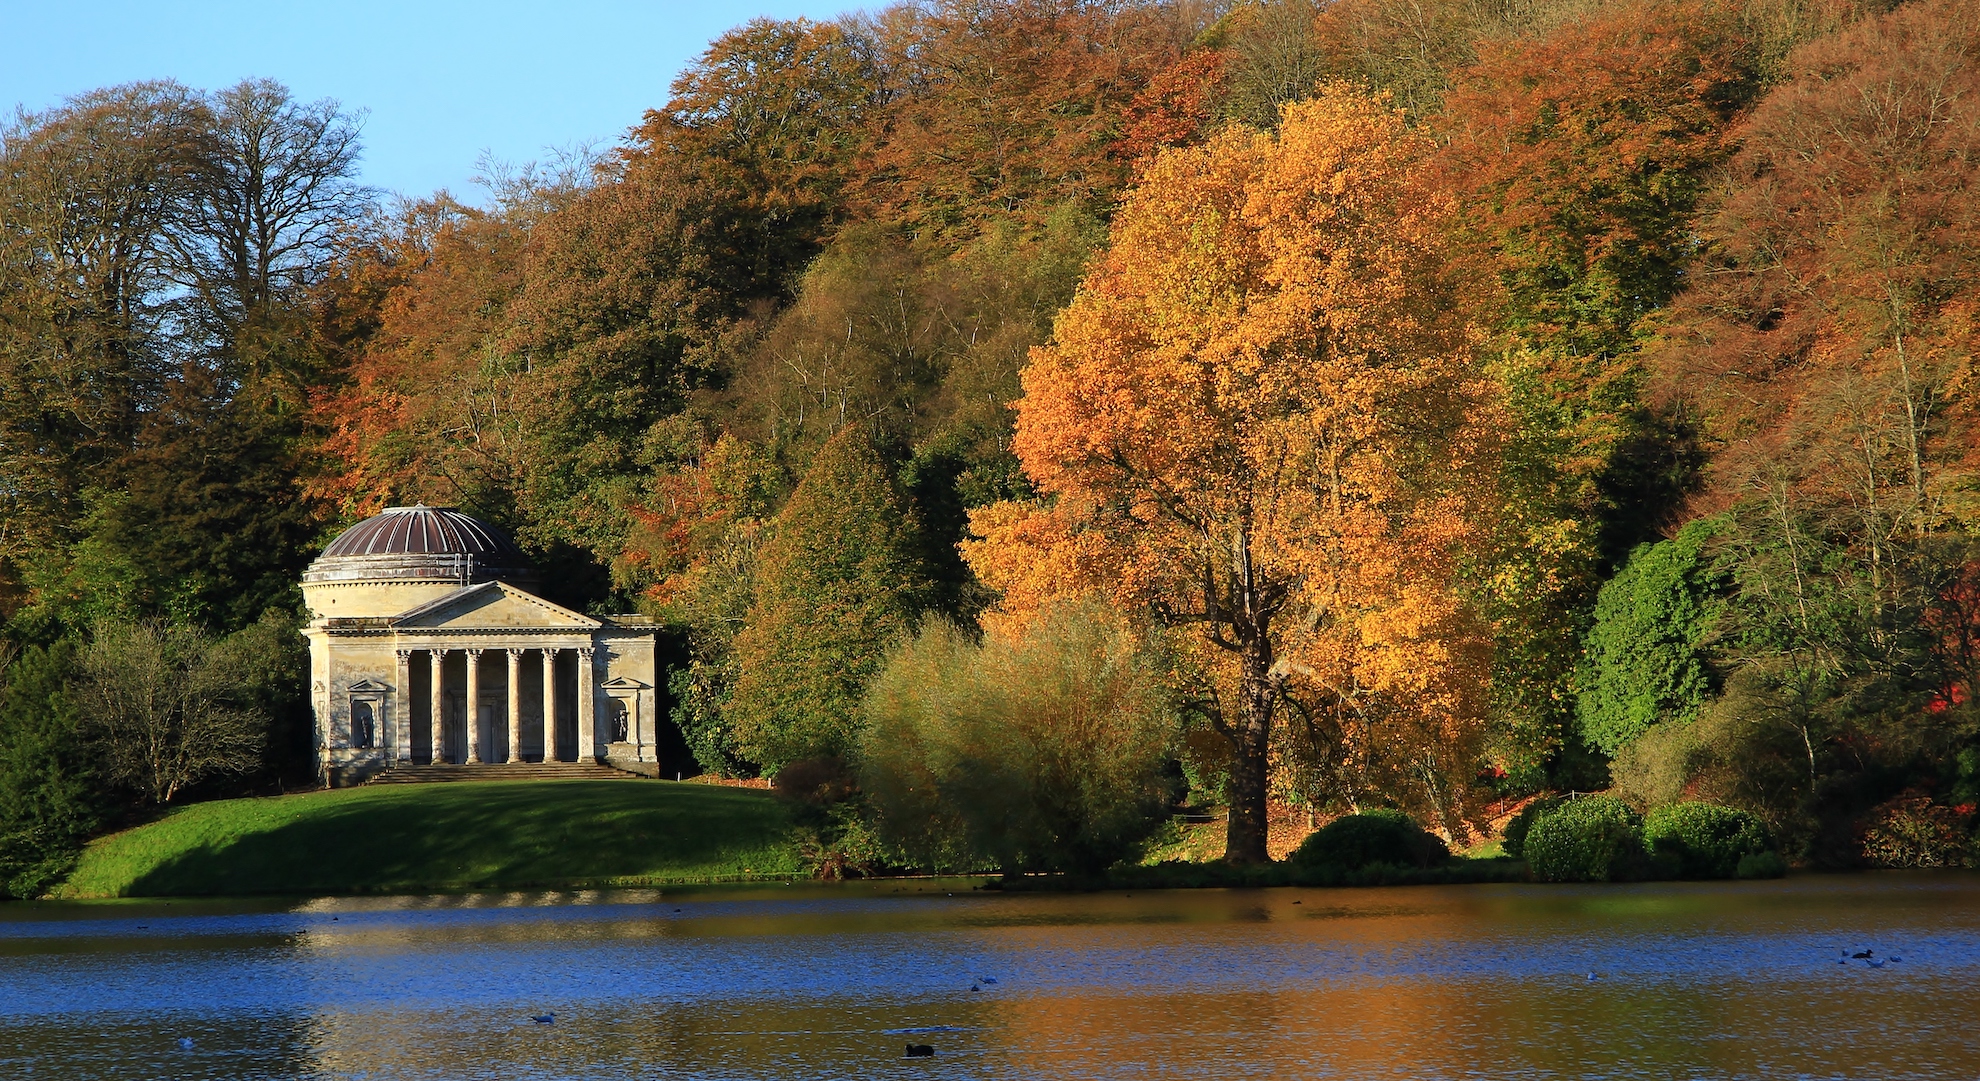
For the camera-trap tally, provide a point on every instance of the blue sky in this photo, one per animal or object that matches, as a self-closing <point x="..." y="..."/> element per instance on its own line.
<point x="441" y="81"/>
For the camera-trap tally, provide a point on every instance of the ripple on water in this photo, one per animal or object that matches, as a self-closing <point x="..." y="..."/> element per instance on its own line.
<point x="1734" y="980"/>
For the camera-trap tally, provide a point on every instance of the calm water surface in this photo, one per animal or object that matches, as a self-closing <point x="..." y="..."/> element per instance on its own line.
<point x="1665" y="981"/>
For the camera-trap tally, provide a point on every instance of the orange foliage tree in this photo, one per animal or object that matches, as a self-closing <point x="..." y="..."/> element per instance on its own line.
<point x="1006" y="110"/>
<point x="427" y="407"/>
<point x="1257" y="419"/>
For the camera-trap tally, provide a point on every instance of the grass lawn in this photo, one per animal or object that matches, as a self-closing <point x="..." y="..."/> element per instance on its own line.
<point x="415" y="838"/>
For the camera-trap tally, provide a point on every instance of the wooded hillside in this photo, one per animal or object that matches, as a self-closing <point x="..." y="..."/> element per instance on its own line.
<point x="1450" y="398"/>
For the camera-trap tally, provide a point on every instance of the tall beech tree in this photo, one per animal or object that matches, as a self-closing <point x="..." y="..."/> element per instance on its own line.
<point x="1258" y="419"/>
<point x="88" y="193"/>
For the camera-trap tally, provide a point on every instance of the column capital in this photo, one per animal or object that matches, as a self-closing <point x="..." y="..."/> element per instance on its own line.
<point x="518" y="651"/>
<point x="404" y="654"/>
<point x="587" y="652"/>
<point x="474" y="651"/>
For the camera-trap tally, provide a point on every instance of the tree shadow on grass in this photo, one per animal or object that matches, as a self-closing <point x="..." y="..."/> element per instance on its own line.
<point x="408" y="838"/>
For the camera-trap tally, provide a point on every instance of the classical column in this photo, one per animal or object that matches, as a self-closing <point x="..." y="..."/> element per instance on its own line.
<point x="515" y="704"/>
<point x="473" y="710"/>
<point x="402" y="713"/>
<point x="587" y="692"/>
<point x="549" y="704"/>
<point x="437" y="711"/>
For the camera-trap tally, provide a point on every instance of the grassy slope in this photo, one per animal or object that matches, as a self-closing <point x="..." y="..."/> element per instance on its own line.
<point x="409" y="838"/>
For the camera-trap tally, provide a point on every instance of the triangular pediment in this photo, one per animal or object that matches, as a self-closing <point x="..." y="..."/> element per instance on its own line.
<point x="492" y="606"/>
<point x="365" y="685"/>
<point x="623" y="683"/>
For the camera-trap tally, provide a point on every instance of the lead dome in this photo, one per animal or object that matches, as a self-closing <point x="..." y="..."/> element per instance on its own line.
<point x="396" y="560"/>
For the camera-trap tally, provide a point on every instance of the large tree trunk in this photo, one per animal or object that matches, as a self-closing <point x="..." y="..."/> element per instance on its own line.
<point x="1244" y="840"/>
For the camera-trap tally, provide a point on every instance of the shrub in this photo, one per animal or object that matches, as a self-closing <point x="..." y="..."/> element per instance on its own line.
<point x="1709" y="841"/>
<point x="1044" y="752"/>
<point x="1592" y="839"/>
<point x="1912" y="831"/>
<point x="1370" y="838"/>
<point x="1768" y="864"/>
<point x="1513" y="840"/>
<point x="50" y="798"/>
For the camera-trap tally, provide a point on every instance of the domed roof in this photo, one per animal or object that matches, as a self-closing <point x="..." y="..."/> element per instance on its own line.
<point x="423" y="529"/>
<point x="421" y="542"/>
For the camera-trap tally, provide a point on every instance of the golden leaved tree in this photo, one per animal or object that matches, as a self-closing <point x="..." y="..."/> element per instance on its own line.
<point x="1260" y="422"/>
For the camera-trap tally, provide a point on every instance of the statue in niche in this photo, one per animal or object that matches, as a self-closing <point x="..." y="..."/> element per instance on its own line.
<point x="364" y="727"/>
<point x="620" y="719"/>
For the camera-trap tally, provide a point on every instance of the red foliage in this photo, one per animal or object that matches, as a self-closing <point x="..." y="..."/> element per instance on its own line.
<point x="1176" y="108"/>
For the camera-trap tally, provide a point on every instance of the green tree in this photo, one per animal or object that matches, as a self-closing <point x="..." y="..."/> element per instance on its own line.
<point x="840" y="581"/>
<point x="1644" y="662"/>
<point x="50" y="796"/>
<point x="89" y="191"/>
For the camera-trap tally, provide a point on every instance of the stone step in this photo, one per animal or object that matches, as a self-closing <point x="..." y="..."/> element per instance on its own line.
<point x="499" y="771"/>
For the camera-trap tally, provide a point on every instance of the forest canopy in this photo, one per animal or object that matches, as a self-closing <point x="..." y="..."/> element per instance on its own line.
<point x="1437" y="400"/>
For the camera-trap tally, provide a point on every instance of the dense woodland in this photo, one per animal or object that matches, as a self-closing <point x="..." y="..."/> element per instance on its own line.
<point x="1027" y="414"/>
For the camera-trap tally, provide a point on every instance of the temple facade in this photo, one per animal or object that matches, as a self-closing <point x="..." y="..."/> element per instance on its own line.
<point x="428" y="645"/>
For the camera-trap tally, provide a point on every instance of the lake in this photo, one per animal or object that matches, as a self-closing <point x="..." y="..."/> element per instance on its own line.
<point x="1665" y="981"/>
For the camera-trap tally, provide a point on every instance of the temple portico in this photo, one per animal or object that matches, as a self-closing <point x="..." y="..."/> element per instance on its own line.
<point x="426" y="649"/>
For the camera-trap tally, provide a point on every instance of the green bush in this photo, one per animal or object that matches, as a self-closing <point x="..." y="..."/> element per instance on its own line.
<point x="1045" y="752"/>
<point x="1373" y="837"/>
<point x="1592" y="839"/>
<point x="1513" y="840"/>
<point x="1708" y="841"/>
<point x="1768" y="864"/>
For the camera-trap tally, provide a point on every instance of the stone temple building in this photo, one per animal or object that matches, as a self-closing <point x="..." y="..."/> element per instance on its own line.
<point x="428" y="645"/>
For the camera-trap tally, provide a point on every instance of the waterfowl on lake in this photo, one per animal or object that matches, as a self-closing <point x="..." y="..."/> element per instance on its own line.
<point x="545" y="1019"/>
<point x="920" y="1050"/>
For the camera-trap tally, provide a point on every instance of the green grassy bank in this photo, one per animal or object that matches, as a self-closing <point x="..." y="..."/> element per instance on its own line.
<point x="416" y="838"/>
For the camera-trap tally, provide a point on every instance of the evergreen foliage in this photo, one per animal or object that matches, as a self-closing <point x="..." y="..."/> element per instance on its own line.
<point x="841" y="580"/>
<point x="1644" y="663"/>
<point x="1512" y="839"/>
<point x="51" y="797"/>
<point x="1358" y="841"/>
<point x="1710" y="841"/>
<point x="1590" y="839"/>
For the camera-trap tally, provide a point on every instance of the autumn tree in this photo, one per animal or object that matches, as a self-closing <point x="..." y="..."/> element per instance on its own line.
<point x="428" y="408"/>
<point x="692" y="556"/>
<point x="1274" y="59"/>
<point x="1006" y="110"/>
<point x="1829" y="350"/>
<point x="148" y="226"/>
<point x="1257" y="423"/>
<point x="837" y="584"/>
<point x="773" y="115"/>
<point x="274" y="185"/>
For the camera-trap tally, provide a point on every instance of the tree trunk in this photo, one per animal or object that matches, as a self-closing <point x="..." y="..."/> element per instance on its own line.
<point x="1244" y="840"/>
